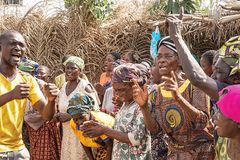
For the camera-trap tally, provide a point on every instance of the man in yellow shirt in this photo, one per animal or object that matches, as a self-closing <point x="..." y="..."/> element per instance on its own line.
<point x="16" y="88"/>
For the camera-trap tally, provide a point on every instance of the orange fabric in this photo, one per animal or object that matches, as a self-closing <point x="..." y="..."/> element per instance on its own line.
<point x="104" y="78"/>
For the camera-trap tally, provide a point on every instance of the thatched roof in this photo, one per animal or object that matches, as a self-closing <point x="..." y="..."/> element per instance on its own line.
<point x="76" y="32"/>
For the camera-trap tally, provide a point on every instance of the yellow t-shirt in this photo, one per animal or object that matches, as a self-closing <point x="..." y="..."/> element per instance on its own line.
<point x="11" y="114"/>
<point x="102" y="118"/>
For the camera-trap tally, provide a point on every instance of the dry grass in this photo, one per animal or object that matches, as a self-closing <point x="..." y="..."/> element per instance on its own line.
<point x="76" y="32"/>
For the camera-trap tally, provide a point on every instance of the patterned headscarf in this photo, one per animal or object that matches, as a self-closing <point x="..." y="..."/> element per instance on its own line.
<point x="76" y="60"/>
<point x="125" y="73"/>
<point x="167" y="42"/>
<point x="230" y="53"/>
<point x="80" y="103"/>
<point x="144" y="69"/>
<point x="27" y="65"/>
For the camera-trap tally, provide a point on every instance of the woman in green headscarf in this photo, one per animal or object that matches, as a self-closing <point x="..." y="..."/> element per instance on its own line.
<point x="73" y="68"/>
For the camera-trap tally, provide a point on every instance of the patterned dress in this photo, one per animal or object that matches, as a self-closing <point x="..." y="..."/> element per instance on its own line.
<point x="159" y="146"/>
<point x="188" y="138"/>
<point x="130" y="120"/>
<point x="221" y="149"/>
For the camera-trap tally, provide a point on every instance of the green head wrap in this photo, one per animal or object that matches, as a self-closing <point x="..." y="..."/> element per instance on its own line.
<point x="75" y="60"/>
<point x="27" y="65"/>
<point x="230" y="53"/>
<point x="80" y="103"/>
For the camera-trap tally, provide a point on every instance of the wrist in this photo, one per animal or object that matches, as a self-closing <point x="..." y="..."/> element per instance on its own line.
<point x="177" y="96"/>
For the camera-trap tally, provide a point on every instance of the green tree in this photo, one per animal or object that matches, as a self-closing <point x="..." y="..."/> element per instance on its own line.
<point x="173" y="6"/>
<point x="101" y="9"/>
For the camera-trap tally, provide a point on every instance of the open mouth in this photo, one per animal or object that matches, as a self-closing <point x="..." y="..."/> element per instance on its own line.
<point x="163" y="67"/>
<point x="16" y="56"/>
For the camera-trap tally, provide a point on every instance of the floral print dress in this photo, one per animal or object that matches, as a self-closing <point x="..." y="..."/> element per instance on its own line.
<point x="130" y="120"/>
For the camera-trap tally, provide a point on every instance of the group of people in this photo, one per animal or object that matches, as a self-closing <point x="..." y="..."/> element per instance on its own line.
<point x="169" y="108"/>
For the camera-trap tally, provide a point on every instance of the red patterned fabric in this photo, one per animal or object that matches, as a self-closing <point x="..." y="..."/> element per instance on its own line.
<point x="45" y="143"/>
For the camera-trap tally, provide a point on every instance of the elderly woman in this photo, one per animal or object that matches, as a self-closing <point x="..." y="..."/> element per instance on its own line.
<point x="178" y="108"/>
<point x="227" y="120"/>
<point x="71" y="147"/>
<point x="131" y="138"/>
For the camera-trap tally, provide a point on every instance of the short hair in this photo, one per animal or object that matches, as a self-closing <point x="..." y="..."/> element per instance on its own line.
<point x="45" y="67"/>
<point x="4" y="35"/>
<point x="209" y="56"/>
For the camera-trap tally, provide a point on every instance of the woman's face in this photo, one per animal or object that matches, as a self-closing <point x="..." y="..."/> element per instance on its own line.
<point x="167" y="61"/>
<point x="108" y="63"/>
<point x="207" y="68"/>
<point x="42" y="74"/>
<point x="155" y="75"/>
<point x="127" y="58"/>
<point x="224" y="126"/>
<point x="222" y="70"/>
<point x="72" y="72"/>
<point x="123" y="91"/>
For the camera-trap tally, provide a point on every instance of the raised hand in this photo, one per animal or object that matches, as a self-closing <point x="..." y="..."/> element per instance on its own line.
<point x="21" y="91"/>
<point x="170" y="84"/>
<point x="140" y="95"/>
<point x="174" y="27"/>
<point x="51" y="91"/>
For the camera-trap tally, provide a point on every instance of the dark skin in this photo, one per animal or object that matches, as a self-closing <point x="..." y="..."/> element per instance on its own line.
<point x="93" y="129"/>
<point x="13" y="47"/>
<point x="172" y="77"/>
<point x="72" y="73"/>
<point x="191" y="68"/>
<point x="206" y="66"/>
<point x="155" y="75"/>
<point x="43" y="73"/>
<point x="226" y="127"/>
<point x="79" y="119"/>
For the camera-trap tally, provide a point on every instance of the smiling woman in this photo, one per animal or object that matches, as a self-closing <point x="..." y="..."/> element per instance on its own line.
<point x="178" y="108"/>
<point x="73" y="68"/>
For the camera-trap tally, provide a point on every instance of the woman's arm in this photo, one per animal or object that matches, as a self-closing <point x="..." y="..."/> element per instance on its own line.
<point x="141" y="98"/>
<point x="88" y="151"/>
<point x="109" y="149"/>
<point x="197" y="115"/>
<point x="190" y="66"/>
<point x="94" y="129"/>
<point x="150" y="123"/>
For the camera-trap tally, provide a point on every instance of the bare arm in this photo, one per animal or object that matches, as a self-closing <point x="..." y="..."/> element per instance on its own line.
<point x="141" y="98"/>
<point x="88" y="151"/>
<point x="150" y="123"/>
<point x="190" y="66"/>
<point x="5" y="98"/>
<point x="19" y="92"/>
<point x="47" y="109"/>
<point x="118" y="135"/>
<point x="94" y="129"/>
<point x="109" y="149"/>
